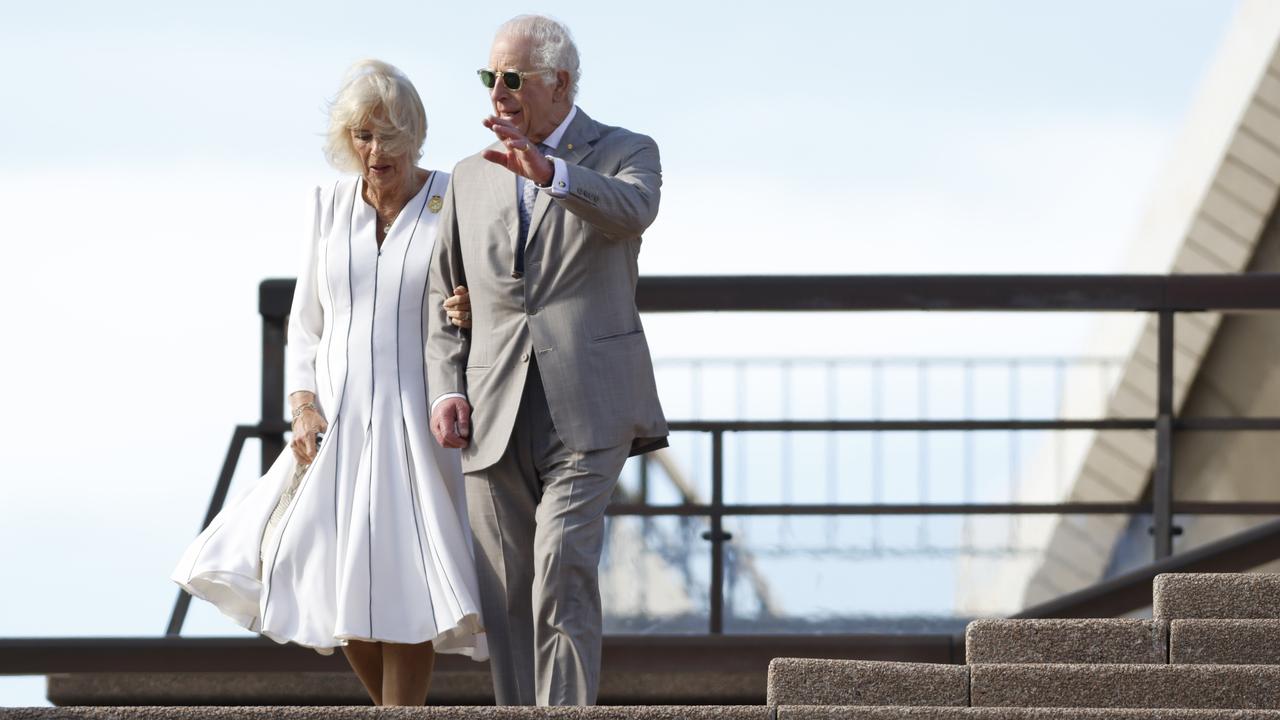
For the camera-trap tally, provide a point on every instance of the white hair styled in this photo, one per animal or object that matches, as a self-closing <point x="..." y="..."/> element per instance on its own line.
<point x="379" y="95"/>
<point x="552" y="45"/>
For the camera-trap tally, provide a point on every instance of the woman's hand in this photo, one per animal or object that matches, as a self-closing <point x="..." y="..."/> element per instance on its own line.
<point x="458" y="307"/>
<point x="306" y="425"/>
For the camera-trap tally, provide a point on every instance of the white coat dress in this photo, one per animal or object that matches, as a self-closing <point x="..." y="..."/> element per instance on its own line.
<point x="371" y="541"/>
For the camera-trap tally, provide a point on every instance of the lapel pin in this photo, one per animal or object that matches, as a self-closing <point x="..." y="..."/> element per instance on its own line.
<point x="570" y="146"/>
<point x="435" y="203"/>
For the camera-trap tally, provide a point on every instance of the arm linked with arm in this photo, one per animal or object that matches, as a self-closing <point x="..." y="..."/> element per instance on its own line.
<point x="446" y="344"/>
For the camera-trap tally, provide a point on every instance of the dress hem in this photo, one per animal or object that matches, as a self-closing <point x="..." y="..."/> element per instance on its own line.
<point x="476" y="651"/>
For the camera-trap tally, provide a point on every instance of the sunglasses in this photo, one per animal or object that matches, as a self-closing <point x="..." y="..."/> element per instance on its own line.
<point x="512" y="79"/>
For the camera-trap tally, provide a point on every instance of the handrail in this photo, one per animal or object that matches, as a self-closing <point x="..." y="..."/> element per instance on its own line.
<point x="622" y="653"/>
<point x="1164" y="295"/>
<point x="953" y="293"/>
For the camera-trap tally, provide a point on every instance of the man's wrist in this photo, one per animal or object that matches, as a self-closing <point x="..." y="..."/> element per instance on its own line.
<point x="558" y="185"/>
<point x="436" y="403"/>
<point x="544" y="182"/>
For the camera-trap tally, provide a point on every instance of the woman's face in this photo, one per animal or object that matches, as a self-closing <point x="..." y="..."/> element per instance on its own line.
<point x="381" y="169"/>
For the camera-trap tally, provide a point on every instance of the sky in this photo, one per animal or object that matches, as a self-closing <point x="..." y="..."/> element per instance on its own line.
<point x="156" y="160"/>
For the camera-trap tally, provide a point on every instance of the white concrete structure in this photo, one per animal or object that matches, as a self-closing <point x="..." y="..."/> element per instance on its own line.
<point x="1209" y="214"/>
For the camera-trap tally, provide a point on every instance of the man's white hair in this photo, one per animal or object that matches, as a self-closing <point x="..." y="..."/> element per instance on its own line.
<point x="376" y="93"/>
<point x="552" y="46"/>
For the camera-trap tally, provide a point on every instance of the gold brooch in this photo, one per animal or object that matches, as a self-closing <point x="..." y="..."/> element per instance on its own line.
<point x="435" y="203"/>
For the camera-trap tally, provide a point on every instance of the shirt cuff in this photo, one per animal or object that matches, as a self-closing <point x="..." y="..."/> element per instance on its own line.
<point x="444" y="397"/>
<point x="559" y="186"/>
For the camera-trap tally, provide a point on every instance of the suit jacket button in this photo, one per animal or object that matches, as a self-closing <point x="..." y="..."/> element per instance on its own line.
<point x="524" y="357"/>
<point x="517" y="274"/>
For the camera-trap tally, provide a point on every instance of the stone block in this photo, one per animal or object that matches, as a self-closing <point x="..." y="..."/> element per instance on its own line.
<point x="1066" y="641"/>
<point x="798" y="681"/>
<point x="799" y="712"/>
<point x="1126" y="686"/>
<point x="1217" y="596"/>
<point x="1225" y="642"/>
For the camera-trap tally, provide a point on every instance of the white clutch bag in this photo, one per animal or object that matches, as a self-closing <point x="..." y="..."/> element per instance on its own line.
<point x="282" y="506"/>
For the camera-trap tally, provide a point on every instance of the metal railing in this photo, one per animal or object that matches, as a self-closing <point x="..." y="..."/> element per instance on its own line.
<point x="1165" y="296"/>
<point x="878" y="387"/>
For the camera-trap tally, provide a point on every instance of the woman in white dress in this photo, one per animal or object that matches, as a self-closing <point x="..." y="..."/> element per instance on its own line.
<point x="360" y="541"/>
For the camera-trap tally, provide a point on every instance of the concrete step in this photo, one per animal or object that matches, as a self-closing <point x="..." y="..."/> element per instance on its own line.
<point x="800" y="712"/>
<point x="1125" y="686"/>
<point x="600" y="712"/>
<point x="1066" y="641"/>
<point x="802" y="681"/>
<point x="1214" y="596"/>
<point x="649" y="712"/>
<point x="1225" y="642"/>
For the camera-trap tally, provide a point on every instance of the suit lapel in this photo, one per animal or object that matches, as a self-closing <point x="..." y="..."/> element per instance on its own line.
<point x="574" y="146"/>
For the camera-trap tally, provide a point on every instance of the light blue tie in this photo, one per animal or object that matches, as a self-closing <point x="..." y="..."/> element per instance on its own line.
<point x="528" y="196"/>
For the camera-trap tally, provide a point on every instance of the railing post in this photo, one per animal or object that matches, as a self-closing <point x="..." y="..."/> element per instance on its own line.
<point x="1162" y="481"/>
<point x="273" y="339"/>
<point x="717" y="535"/>
<point x="644" y="479"/>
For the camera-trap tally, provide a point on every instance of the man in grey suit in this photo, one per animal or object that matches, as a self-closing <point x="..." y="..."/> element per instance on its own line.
<point x="552" y="388"/>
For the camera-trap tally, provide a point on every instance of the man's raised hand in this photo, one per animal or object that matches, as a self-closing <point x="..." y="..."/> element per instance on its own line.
<point x="521" y="154"/>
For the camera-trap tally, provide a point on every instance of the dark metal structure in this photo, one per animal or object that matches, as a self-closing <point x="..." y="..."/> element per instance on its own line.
<point x="636" y="669"/>
<point x="1165" y="296"/>
<point x="628" y="653"/>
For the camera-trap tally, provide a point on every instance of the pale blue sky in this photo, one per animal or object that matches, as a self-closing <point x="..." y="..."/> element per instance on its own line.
<point x="154" y="158"/>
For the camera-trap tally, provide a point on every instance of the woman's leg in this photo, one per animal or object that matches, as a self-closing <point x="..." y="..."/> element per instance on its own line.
<point x="406" y="673"/>
<point x="366" y="660"/>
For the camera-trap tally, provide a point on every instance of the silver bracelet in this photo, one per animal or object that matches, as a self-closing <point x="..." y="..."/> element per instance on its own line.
<point x="297" y="412"/>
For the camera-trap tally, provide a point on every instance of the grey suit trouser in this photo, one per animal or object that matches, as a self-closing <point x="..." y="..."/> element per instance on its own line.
<point x="538" y="520"/>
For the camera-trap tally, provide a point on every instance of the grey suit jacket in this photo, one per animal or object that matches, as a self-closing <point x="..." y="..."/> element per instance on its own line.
<point x="574" y="309"/>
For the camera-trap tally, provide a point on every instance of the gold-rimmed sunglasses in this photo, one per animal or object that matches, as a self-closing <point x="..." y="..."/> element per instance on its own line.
<point x="512" y="79"/>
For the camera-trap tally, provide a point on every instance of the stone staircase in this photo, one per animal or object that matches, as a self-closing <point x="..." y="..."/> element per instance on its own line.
<point x="1212" y="650"/>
